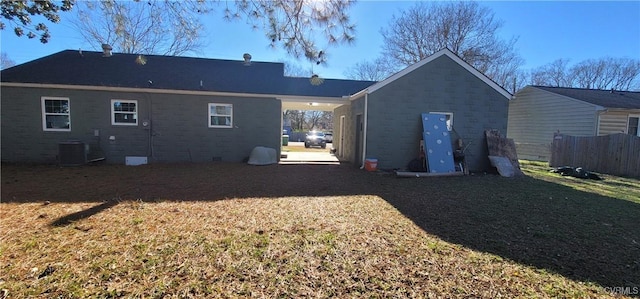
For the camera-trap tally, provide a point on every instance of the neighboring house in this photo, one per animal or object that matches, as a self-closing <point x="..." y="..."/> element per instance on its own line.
<point x="383" y="121"/>
<point x="537" y="112"/>
<point x="166" y="109"/>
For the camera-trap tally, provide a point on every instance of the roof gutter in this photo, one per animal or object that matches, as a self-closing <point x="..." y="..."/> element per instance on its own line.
<point x="359" y="94"/>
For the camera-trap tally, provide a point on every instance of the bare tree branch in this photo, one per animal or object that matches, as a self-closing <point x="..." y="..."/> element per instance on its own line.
<point x="144" y="27"/>
<point x="304" y="28"/>
<point x="376" y="70"/>
<point x="603" y="73"/>
<point x="465" y="28"/>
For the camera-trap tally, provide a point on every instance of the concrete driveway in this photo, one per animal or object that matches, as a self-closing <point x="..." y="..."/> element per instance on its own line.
<point x="320" y="156"/>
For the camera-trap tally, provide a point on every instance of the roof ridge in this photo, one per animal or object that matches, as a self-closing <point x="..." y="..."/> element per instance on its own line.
<point x="82" y="52"/>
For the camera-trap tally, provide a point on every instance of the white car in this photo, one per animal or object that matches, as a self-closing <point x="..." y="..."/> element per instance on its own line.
<point x="328" y="136"/>
<point x="314" y="138"/>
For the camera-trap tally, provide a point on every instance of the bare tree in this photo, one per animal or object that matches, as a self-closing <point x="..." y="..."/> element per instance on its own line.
<point x="376" y="70"/>
<point x="603" y="73"/>
<point x="297" y="118"/>
<point x="607" y="73"/>
<point x="628" y="75"/>
<point x="149" y="27"/>
<point x="312" y="119"/>
<point x="520" y="80"/>
<point x="18" y="15"/>
<point x="304" y="28"/>
<point x="552" y="74"/>
<point x="326" y="120"/>
<point x="465" y="28"/>
<point x="5" y="61"/>
<point x="319" y="120"/>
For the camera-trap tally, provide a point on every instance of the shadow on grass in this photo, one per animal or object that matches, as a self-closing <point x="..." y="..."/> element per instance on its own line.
<point x="580" y="235"/>
<point x="69" y="219"/>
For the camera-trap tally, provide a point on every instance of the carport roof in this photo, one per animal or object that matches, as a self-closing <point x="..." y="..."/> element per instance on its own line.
<point x="85" y="68"/>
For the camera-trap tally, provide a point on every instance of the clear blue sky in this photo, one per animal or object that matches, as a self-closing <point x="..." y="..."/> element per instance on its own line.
<point x="546" y="31"/>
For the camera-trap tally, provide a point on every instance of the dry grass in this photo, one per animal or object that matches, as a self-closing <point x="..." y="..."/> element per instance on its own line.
<point x="232" y="230"/>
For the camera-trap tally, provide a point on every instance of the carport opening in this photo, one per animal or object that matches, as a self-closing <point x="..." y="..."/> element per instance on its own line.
<point x="298" y="120"/>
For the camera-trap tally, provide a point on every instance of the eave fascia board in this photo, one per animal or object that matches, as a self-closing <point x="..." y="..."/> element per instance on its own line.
<point x="173" y="91"/>
<point x="359" y="94"/>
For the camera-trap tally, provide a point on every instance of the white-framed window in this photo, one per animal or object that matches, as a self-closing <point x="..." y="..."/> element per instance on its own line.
<point x="449" y="121"/>
<point x="56" y="114"/>
<point x="220" y="115"/>
<point x="632" y="125"/>
<point x="124" y="112"/>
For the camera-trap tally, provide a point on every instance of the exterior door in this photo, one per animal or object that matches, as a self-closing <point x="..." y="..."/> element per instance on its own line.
<point x="359" y="141"/>
<point x="341" y="141"/>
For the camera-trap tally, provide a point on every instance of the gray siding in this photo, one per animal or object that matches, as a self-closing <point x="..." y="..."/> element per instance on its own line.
<point x="178" y="132"/>
<point x="442" y="85"/>
<point x="350" y="112"/>
<point x="535" y="115"/>
<point x="340" y="143"/>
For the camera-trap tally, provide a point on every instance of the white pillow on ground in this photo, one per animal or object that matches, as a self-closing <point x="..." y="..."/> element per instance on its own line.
<point x="261" y="155"/>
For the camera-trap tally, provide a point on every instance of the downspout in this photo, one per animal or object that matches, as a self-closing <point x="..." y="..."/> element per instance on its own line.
<point x="599" y="113"/>
<point x="364" y="131"/>
<point x="151" y="125"/>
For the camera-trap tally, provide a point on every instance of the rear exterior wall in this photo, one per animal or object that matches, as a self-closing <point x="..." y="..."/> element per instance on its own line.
<point x="177" y="132"/>
<point x="442" y="85"/>
<point x="347" y="144"/>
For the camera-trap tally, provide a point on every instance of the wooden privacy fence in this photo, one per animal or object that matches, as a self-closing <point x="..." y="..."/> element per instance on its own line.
<point x="616" y="154"/>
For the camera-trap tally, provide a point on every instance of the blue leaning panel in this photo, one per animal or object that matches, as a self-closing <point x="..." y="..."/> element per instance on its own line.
<point x="437" y="141"/>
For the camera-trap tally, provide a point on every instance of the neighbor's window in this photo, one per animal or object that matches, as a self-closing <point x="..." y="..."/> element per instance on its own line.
<point x="449" y="119"/>
<point x="56" y="114"/>
<point x="124" y="112"/>
<point x="633" y="125"/>
<point x="220" y="115"/>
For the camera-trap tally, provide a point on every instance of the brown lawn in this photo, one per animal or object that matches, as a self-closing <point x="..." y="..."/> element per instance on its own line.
<point x="234" y="230"/>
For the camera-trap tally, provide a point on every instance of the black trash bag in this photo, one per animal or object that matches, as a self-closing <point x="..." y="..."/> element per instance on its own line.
<point x="577" y="172"/>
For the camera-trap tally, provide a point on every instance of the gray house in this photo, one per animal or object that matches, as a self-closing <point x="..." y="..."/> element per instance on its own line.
<point x="537" y="112"/>
<point x="383" y="121"/>
<point x="165" y="109"/>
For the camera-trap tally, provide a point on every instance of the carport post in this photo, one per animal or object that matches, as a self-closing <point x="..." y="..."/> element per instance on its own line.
<point x="364" y="130"/>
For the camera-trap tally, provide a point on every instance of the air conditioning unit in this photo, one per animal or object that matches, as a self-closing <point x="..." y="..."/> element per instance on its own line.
<point x="72" y="153"/>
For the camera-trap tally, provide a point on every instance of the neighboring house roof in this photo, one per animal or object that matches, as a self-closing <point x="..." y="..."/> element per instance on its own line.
<point x="454" y="57"/>
<point x="71" y="67"/>
<point x="603" y="98"/>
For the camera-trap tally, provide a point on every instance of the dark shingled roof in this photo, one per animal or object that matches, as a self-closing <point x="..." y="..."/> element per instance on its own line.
<point x="71" y="67"/>
<point x="604" y="98"/>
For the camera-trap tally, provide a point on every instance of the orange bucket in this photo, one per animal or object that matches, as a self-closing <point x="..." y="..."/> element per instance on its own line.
<point x="371" y="164"/>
